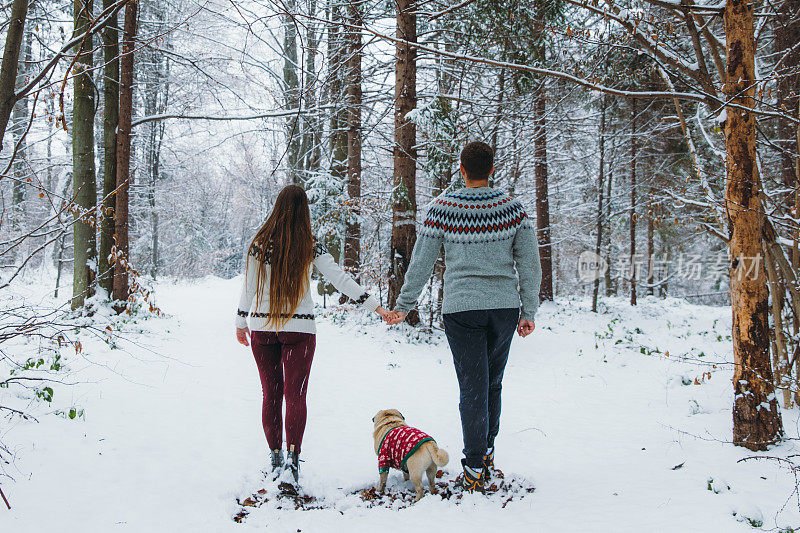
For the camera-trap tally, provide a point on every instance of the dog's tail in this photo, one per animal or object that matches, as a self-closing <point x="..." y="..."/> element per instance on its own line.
<point x="439" y="456"/>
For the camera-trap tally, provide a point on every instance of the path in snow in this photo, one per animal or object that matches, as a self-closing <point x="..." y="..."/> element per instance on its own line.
<point x="172" y="436"/>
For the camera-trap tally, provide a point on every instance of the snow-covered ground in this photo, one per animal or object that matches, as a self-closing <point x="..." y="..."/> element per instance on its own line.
<point x="619" y="420"/>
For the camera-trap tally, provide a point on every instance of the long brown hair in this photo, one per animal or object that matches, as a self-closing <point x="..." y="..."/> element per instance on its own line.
<point x="286" y="243"/>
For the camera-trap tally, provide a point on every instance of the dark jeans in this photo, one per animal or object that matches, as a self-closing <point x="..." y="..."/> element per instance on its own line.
<point x="284" y="364"/>
<point x="480" y="341"/>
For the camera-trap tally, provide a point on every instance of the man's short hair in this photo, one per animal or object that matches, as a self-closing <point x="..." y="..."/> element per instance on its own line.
<point x="477" y="158"/>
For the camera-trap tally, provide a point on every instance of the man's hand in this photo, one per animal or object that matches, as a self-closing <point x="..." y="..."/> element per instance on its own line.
<point x="241" y="335"/>
<point x="394" y="317"/>
<point x="525" y="327"/>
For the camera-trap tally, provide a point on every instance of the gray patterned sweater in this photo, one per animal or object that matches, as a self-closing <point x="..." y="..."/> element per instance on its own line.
<point x="491" y="254"/>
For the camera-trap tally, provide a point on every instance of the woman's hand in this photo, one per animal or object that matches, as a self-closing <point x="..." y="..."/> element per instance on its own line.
<point x="383" y="312"/>
<point x="241" y="335"/>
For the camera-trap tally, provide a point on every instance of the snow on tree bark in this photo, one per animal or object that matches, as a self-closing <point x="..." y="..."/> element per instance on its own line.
<point x="756" y="416"/>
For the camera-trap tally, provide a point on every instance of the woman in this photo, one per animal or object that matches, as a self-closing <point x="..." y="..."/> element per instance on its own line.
<point x="278" y="275"/>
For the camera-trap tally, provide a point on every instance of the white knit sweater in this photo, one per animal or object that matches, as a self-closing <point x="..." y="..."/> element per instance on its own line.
<point x="303" y="318"/>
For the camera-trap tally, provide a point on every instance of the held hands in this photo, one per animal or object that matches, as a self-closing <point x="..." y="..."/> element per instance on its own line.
<point x="391" y="317"/>
<point x="395" y="317"/>
<point x="241" y="335"/>
<point x="525" y="327"/>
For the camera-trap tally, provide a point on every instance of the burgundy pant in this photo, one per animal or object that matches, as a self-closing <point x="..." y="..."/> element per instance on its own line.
<point x="284" y="363"/>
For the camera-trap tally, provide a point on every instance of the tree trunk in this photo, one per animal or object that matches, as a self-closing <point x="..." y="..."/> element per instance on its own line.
<point x="310" y="150"/>
<point x="83" y="169"/>
<point x="155" y="175"/>
<point x="600" y="185"/>
<point x="155" y="79"/>
<point x="443" y="176"/>
<point x="609" y="282"/>
<point x="796" y="247"/>
<point x="291" y="92"/>
<point x="634" y="150"/>
<point x="337" y="52"/>
<point x="542" y="198"/>
<point x="650" y="254"/>
<point x="787" y="28"/>
<point x="780" y="359"/>
<point x="756" y="419"/>
<point x="498" y="120"/>
<point x="58" y="251"/>
<point x="110" y="122"/>
<point x="121" y="289"/>
<point x="352" y="239"/>
<point x="19" y="124"/>
<point x="515" y="168"/>
<point x="404" y="201"/>
<point x="10" y="63"/>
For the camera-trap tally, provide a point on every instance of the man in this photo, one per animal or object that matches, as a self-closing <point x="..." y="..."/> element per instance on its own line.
<point x="491" y="288"/>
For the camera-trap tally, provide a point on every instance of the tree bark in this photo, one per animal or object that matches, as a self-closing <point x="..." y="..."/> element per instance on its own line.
<point x="404" y="200"/>
<point x="159" y="81"/>
<point x="310" y="149"/>
<point x="110" y="122"/>
<point x="634" y="151"/>
<point x="650" y="254"/>
<point x="156" y="86"/>
<point x="337" y="52"/>
<point x="542" y="197"/>
<point x="756" y="418"/>
<point x="124" y="177"/>
<point x="83" y="168"/>
<point x="540" y="162"/>
<point x="780" y="359"/>
<point x="20" y="118"/>
<point x="352" y="239"/>
<point x="787" y="29"/>
<point x="291" y="92"/>
<point x="600" y="187"/>
<point x="10" y="63"/>
<point x="609" y="282"/>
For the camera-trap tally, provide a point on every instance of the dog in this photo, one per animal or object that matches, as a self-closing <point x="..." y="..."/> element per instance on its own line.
<point x="400" y="446"/>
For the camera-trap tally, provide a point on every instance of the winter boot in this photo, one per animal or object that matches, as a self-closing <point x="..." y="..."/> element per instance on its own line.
<point x="488" y="462"/>
<point x="293" y="464"/>
<point x="473" y="479"/>
<point x="276" y="463"/>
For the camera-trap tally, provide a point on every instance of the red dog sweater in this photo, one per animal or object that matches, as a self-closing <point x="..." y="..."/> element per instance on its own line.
<point x="398" y="445"/>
